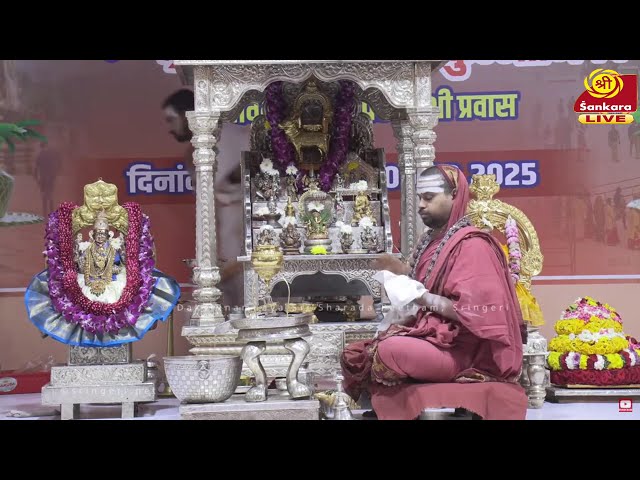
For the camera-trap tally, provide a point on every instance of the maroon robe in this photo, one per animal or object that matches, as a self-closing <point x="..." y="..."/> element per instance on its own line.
<point x="483" y="346"/>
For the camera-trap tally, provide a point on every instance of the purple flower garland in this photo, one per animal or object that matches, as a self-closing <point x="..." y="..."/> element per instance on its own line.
<point x="72" y="312"/>
<point x="284" y="151"/>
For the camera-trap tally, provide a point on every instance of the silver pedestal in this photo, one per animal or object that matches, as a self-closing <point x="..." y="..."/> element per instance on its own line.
<point x="289" y="329"/>
<point x="572" y="395"/>
<point x="124" y="383"/>
<point x="327" y="342"/>
<point x="236" y="408"/>
<point x="321" y="242"/>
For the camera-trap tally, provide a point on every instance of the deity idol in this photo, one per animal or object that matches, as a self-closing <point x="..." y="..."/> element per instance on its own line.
<point x="103" y="292"/>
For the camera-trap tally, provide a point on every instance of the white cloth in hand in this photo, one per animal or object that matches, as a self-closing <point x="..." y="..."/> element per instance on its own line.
<point x="401" y="291"/>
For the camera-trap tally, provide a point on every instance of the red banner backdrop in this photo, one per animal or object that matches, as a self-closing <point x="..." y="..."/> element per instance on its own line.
<point x="511" y="118"/>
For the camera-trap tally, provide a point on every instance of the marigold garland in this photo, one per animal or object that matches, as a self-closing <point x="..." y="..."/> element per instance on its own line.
<point x="576" y="326"/>
<point x="565" y="344"/>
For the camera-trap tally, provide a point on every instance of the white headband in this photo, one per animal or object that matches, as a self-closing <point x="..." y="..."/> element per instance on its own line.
<point x="430" y="184"/>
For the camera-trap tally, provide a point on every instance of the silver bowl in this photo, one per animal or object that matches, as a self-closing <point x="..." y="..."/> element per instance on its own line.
<point x="203" y="378"/>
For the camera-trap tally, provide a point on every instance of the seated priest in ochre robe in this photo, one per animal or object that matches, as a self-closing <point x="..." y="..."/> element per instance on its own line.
<point x="463" y="347"/>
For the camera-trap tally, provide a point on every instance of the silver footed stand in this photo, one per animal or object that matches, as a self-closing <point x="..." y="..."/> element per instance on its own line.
<point x="257" y="332"/>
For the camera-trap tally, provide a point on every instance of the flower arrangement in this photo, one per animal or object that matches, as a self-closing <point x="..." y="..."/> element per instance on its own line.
<point x="627" y="375"/>
<point x="285" y="154"/>
<point x="318" y="250"/>
<point x="513" y="244"/>
<point x="591" y="348"/>
<point x="262" y="211"/>
<point x="589" y="327"/>
<point x="359" y="186"/>
<point x="594" y="324"/>
<point x="65" y="292"/>
<point x="266" y="166"/>
<point x="365" y="222"/>
<point x="576" y="361"/>
<point x="345" y="228"/>
<point x="585" y="308"/>
<point x="292" y="170"/>
<point x="603" y="342"/>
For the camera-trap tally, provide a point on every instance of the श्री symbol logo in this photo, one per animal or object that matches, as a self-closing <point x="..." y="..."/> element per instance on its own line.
<point x="603" y="83"/>
<point x="609" y="98"/>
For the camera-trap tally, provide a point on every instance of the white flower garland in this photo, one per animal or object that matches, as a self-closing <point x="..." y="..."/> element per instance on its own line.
<point x="593" y="337"/>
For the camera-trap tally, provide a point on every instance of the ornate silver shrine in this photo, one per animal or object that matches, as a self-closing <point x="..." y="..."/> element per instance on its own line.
<point x="398" y="91"/>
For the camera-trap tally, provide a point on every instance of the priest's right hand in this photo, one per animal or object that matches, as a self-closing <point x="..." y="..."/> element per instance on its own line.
<point x="391" y="264"/>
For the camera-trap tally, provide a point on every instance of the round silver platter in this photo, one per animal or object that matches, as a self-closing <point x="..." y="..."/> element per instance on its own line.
<point x="275" y="327"/>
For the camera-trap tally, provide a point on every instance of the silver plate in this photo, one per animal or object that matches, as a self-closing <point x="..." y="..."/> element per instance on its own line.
<point x="281" y="321"/>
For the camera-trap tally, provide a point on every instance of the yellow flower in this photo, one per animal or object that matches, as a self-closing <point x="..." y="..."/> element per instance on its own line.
<point x="576" y="345"/>
<point x="566" y="327"/>
<point x="352" y="166"/>
<point x="563" y="344"/>
<point x="554" y="361"/>
<point x="607" y="323"/>
<point x="596" y="324"/>
<point x="620" y="343"/>
<point x="615" y="361"/>
<point x="583" y="362"/>
<point x="318" y="250"/>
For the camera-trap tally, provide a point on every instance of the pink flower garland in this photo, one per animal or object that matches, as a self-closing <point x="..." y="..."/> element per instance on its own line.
<point x="513" y="244"/>
<point x="65" y="292"/>
<point x="582" y="310"/>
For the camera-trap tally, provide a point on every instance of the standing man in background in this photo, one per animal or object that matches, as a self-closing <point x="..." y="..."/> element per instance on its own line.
<point x="232" y="140"/>
<point x="47" y="168"/>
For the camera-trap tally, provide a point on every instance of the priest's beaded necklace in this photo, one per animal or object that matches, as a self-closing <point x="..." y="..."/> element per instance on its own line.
<point x="424" y="243"/>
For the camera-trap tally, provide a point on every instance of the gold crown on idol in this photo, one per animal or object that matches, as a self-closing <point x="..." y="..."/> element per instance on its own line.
<point x="101" y="222"/>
